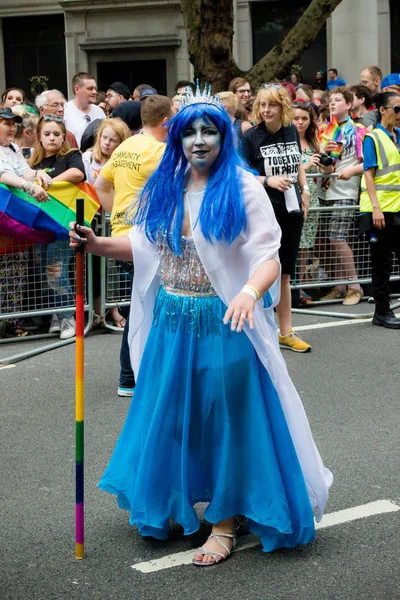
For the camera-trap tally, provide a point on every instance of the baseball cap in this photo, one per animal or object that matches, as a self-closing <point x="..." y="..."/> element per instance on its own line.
<point x="7" y="113"/>
<point x="150" y="91"/>
<point x="120" y="88"/>
<point x="392" y="79"/>
<point x="129" y="112"/>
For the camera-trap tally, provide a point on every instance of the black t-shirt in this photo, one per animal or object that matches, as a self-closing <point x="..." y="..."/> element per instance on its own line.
<point x="274" y="154"/>
<point x="57" y="165"/>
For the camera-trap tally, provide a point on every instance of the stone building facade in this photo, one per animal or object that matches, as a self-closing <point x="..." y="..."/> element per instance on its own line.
<point x="44" y="42"/>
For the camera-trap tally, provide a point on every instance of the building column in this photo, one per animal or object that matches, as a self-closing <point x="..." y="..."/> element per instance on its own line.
<point x="384" y="46"/>
<point x="243" y="35"/>
<point x="2" y="61"/>
<point x="77" y="59"/>
<point x="353" y="42"/>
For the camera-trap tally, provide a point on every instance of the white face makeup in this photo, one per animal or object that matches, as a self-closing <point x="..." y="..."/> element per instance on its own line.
<point x="201" y="143"/>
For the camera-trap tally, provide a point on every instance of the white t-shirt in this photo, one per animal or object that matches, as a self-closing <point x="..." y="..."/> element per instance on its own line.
<point x="77" y="121"/>
<point x="13" y="162"/>
<point x="92" y="167"/>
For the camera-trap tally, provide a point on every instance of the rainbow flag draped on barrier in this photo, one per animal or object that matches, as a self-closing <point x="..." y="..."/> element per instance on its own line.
<point x="25" y="220"/>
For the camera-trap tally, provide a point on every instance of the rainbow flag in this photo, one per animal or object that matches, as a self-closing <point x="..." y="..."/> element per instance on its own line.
<point x="23" y="218"/>
<point x="333" y="132"/>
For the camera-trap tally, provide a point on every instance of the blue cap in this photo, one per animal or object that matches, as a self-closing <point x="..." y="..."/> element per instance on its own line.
<point x="392" y="79"/>
<point x="149" y="91"/>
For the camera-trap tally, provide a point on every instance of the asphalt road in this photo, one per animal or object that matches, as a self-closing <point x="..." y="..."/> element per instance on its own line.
<point x="350" y="388"/>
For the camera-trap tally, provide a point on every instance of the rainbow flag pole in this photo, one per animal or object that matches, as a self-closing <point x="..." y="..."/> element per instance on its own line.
<point x="79" y="390"/>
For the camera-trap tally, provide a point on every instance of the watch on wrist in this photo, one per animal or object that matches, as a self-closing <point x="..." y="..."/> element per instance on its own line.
<point x="304" y="188"/>
<point x="266" y="181"/>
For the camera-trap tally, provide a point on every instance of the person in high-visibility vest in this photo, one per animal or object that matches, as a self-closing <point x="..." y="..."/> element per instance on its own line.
<point x="380" y="202"/>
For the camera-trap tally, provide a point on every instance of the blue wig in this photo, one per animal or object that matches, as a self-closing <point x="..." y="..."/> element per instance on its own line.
<point x="222" y="213"/>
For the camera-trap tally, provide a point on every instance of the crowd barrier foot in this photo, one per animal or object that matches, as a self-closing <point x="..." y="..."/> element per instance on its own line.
<point x="10" y="360"/>
<point x="342" y="315"/>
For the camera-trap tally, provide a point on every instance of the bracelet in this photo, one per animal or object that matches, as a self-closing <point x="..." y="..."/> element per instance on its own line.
<point x="253" y="291"/>
<point x="25" y="186"/>
<point x="265" y="181"/>
<point x="250" y="292"/>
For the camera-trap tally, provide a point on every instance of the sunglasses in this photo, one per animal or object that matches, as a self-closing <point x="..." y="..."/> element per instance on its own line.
<point x="301" y="104"/>
<point x="395" y="108"/>
<point x="52" y="118"/>
<point x="275" y="86"/>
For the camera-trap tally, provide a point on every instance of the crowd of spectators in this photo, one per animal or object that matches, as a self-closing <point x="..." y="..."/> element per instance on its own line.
<point x="281" y="133"/>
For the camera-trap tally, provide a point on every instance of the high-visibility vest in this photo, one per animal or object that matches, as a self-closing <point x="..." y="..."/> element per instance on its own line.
<point x="387" y="175"/>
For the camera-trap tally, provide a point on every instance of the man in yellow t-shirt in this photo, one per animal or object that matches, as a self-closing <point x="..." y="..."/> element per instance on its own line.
<point x="123" y="177"/>
<point x="119" y="184"/>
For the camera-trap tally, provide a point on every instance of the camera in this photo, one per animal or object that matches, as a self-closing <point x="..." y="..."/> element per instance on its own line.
<point x="326" y="160"/>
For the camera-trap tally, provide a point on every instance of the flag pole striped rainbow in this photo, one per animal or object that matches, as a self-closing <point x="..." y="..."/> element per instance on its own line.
<point x="79" y="391"/>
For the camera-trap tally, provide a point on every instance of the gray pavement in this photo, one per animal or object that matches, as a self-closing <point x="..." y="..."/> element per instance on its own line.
<point x="350" y="388"/>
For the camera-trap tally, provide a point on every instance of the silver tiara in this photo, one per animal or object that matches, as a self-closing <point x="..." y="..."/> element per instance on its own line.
<point x="204" y="97"/>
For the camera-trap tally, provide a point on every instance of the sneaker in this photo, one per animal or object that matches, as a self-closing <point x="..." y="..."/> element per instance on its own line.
<point x="67" y="328"/>
<point x="55" y="325"/>
<point x="293" y="342"/>
<point x="353" y="297"/>
<point x="125" y="392"/>
<point x="334" y="294"/>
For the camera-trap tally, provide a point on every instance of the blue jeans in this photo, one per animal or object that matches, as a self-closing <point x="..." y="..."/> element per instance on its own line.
<point x="126" y="376"/>
<point x="55" y="259"/>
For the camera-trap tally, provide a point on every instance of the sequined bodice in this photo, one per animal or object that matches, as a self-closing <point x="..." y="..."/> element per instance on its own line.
<point x="184" y="275"/>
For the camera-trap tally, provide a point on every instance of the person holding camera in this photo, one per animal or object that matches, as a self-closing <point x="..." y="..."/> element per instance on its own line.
<point x="305" y="122"/>
<point x="342" y="191"/>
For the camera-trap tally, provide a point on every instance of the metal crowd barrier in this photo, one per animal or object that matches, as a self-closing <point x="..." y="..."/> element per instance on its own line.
<point x="115" y="283"/>
<point x="25" y="290"/>
<point x="30" y="287"/>
<point x="318" y="266"/>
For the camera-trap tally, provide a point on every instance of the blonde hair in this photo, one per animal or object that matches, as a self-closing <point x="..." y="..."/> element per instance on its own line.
<point x="39" y="152"/>
<point x="119" y="127"/>
<point x="231" y="101"/>
<point x="29" y="119"/>
<point x="279" y="96"/>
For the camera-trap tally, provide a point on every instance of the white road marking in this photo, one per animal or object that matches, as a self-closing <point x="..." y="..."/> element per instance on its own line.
<point x="327" y="324"/>
<point x="249" y="541"/>
<point x="331" y="324"/>
<point x="7" y="366"/>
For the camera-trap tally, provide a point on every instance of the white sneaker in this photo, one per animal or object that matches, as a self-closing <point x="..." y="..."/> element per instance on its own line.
<point x="67" y="328"/>
<point x="55" y="325"/>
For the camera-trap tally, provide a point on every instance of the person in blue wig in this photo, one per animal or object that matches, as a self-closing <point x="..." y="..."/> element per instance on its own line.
<point x="215" y="417"/>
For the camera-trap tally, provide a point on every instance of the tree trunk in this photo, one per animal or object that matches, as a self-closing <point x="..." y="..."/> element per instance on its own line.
<point x="276" y="64"/>
<point x="209" y="29"/>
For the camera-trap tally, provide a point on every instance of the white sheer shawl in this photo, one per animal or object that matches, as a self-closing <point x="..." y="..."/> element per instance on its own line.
<point x="228" y="268"/>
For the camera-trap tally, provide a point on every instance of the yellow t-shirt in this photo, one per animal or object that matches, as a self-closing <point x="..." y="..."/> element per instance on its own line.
<point x="129" y="167"/>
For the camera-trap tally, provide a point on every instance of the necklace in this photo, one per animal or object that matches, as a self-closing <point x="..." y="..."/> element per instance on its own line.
<point x="186" y="189"/>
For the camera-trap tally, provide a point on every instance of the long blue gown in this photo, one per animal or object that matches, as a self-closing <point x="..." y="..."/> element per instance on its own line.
<point x="205" y="424"/>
